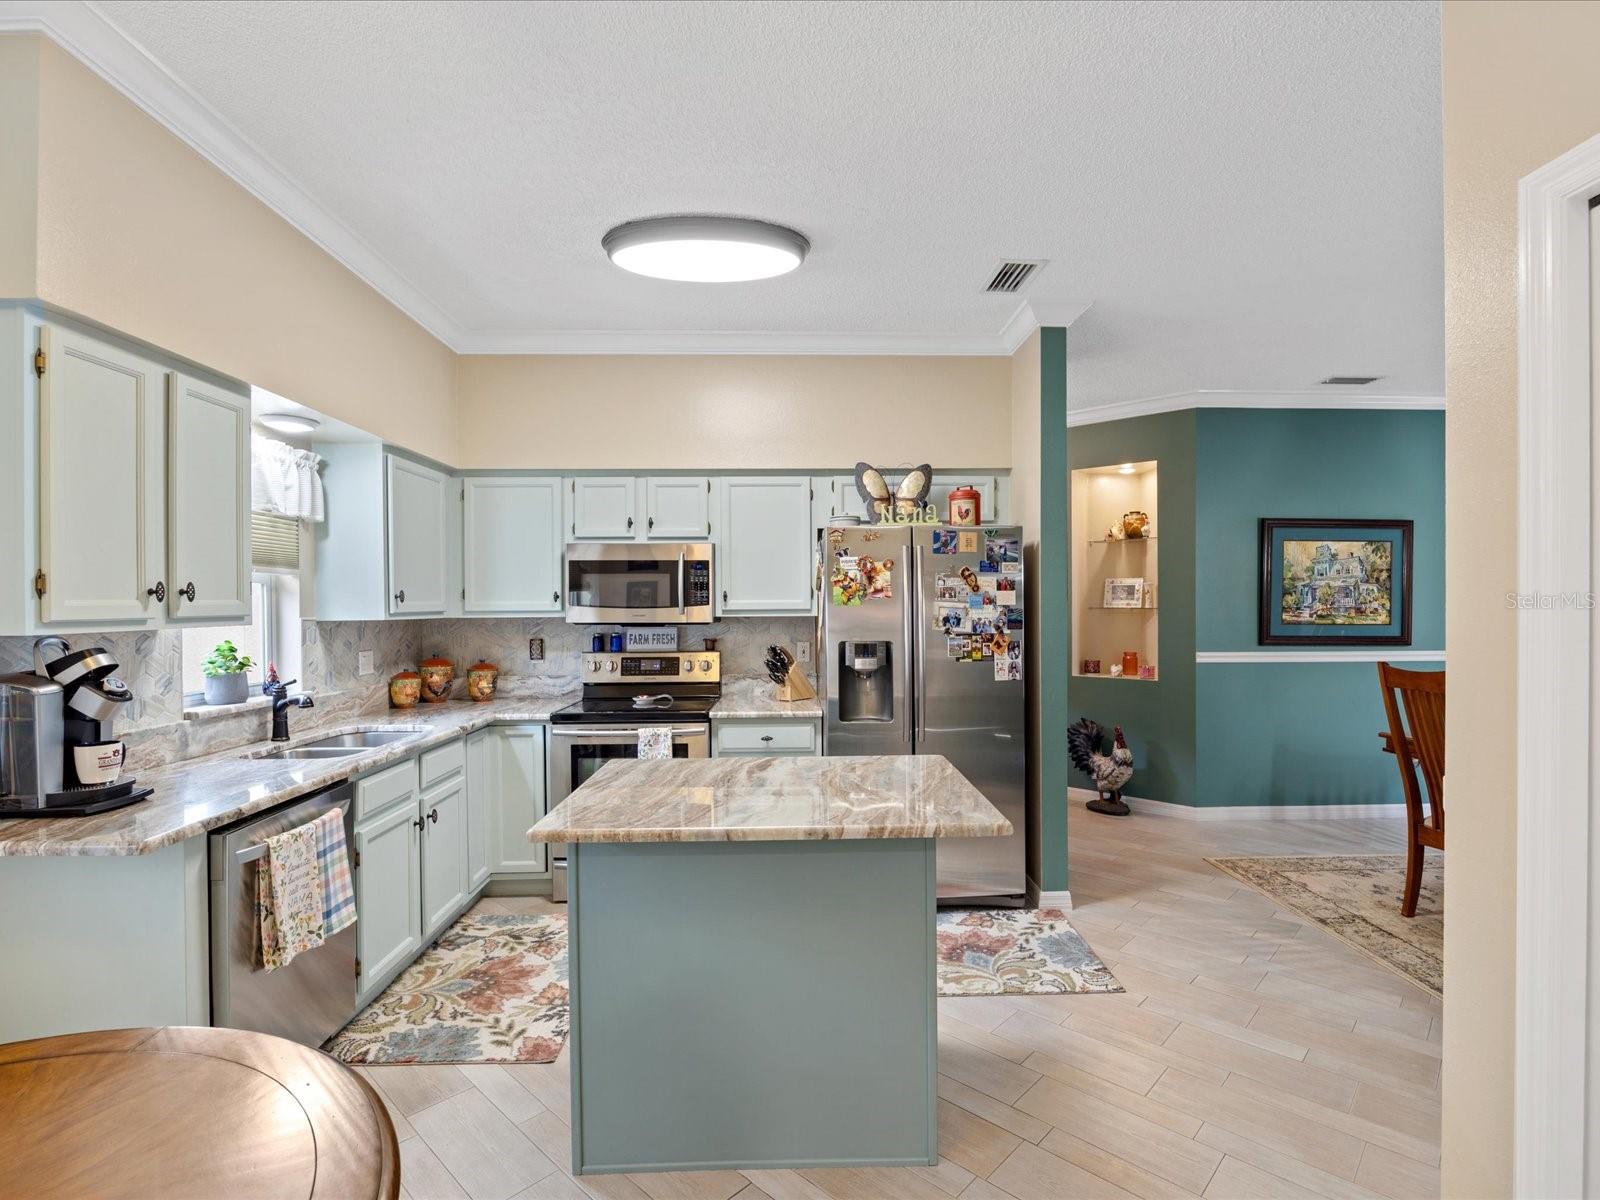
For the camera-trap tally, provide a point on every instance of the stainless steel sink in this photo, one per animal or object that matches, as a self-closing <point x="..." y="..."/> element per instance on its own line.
<point x="341" y="745"/>
<point x="313" y="752"/>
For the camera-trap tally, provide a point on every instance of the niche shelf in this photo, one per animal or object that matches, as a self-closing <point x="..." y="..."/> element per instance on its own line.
<point x="1100" y="498"/>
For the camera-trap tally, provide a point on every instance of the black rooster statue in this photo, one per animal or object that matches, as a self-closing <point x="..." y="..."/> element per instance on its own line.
<point x="1109" y="771"/>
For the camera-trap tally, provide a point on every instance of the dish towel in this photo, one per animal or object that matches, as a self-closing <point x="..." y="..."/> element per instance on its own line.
<point x="655" y="741"/>
<point x="338" y="890"/>
<point x="290" y="911"/>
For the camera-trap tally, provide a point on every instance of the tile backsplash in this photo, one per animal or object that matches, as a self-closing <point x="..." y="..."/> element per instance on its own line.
<point x="151" y="665"/>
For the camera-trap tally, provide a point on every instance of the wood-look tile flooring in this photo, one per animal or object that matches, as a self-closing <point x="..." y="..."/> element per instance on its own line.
<point x="1253" y="1055"/>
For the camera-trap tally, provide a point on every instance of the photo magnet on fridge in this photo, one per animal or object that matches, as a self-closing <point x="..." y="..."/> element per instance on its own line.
<point x="998" y="551"/>
<point x="949" y="587"/>
<point x="958" y="647"/>
<point x="951" y="618"/>
<point x="944" y="541"/>
<point x="967" y="541"/>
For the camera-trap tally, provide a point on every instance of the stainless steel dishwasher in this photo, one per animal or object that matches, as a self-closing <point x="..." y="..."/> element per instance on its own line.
<point x="312" y="997"/>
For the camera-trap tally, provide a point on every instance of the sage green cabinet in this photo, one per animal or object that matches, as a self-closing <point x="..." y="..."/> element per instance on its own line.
<point x="416" y="536"/>
<point x="677" y="507"/>
<point x="784" y="737"/>
<point x="444" y="854"/>
<point x="480" y="748"/>
<point x="388" y="893"/>
<point x="765" y="551"/>
<point x="512" y="544"/>
<point x="514" y="767"/>
<point x="603" y="506"/>
<point x="208" y="502"/>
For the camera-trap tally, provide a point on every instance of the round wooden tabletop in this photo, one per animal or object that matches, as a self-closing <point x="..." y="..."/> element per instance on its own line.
<point x="189" y="1112"/>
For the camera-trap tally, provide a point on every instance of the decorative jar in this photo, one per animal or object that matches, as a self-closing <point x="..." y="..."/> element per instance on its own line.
<point x="966" y="505"/>
<point x="481" y="678"/>
<point x="437" y="676"/>
<point x="405" y="689"/>
<point x="1135" y="524"/>
<point x="1130" y="663"/>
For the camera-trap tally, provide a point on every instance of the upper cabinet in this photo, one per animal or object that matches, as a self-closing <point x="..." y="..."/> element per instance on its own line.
<point x="764" y="546"/>
<point x="208" y="502"/>
<point x="604" y="507"/>
<point x="677" y="507"/>
<point x="512" y="544"/>
<point x="101" y="536"/>
<point x="416" y="536"/>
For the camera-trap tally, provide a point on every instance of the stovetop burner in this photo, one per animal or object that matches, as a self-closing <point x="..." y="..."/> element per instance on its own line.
<point x="612" y="708"/>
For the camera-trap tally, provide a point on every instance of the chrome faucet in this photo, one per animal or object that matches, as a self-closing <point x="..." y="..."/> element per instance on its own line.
<point x="282" y="702"/>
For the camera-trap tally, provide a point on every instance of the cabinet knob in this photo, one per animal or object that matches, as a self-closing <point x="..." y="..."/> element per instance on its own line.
<point x="417" y="824"/>
<point x="650" y="524"/>
<point x="186" y="591"/>
<point x="159" y="591"/>
<point x="555" y="597"/>
<point x="766" y="737"/>
<point x="400" y="596"/>
<point x="433" y="815"/>
<point x="630" y="522"/>
<point x="724" y="595"/>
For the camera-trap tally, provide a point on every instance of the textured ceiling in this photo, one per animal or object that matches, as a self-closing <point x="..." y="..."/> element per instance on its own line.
<point x="1249" y="195"/>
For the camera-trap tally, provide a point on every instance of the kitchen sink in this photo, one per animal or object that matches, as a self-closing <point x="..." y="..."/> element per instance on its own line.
<point x="340" y="745"/>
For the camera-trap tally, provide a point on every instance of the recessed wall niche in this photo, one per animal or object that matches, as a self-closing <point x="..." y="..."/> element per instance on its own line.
<point x="1116" y="593"/>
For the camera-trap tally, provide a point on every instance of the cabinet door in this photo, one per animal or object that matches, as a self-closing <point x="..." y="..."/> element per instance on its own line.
<point x="388" y="894"/>
<point x="677" y="508"/>
<point x="517" y="802"/>
<point x="444" y="854"/>
<point x="208" y="502"/>
<point x="480" y="786"/>
<point x="513" y="544"/>
<point x="765" y="545"/>
<point x="602" y="507"/>
<point x="939" y="495"/>
<point x="101" y="498"/>
<point x="416" y="506"/>
<point x="847" y="501"/>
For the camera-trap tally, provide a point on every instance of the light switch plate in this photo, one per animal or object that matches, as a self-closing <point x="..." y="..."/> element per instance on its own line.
<point x="535" y="649"/>
<point x="802" y="651"/>
<point x="364" y="662"/>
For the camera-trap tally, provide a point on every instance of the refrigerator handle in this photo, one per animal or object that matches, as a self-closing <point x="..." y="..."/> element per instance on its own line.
<point x="919" y="658"/>
<point x="908" y="608"/>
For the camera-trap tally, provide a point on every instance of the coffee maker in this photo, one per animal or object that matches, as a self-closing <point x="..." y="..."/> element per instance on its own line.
<point x="57" y="756"/>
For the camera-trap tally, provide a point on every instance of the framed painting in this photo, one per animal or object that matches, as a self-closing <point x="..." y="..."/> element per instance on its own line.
<point x="1335" y="582"/>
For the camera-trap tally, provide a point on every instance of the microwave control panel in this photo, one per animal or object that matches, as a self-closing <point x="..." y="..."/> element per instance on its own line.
<point x="697" y="584"/>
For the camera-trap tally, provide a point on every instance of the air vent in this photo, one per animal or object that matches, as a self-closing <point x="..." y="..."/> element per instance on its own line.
<point x="1010" y="276"/>
<point x="1350" y="380"/>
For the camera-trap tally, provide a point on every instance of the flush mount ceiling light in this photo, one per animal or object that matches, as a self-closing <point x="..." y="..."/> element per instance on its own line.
<point x="289" y="422"/>
<point x="704" y="249"/>
<point x="1126" y="469"/>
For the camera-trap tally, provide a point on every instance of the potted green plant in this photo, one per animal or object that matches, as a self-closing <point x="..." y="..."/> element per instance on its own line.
<point x="225" y="671"/>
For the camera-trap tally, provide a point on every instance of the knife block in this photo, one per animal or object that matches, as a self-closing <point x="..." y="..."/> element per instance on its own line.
<point x="796" y="686"/>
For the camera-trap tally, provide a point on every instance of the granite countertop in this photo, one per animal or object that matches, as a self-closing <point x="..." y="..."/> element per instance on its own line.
<point x="201" y="794"/>
<point x="772" y="800"/>
<point x="755" y="698"/>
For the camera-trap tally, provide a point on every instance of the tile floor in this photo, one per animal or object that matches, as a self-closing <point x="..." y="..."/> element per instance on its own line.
<point x="1252" y="1056"/>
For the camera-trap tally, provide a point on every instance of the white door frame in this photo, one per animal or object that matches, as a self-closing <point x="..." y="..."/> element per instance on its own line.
<point x="1554" y="464"/>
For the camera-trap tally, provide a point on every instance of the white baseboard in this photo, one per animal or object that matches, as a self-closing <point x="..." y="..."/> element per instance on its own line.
<point x="1249" y="812"/>
<point x="1056" y="900"/>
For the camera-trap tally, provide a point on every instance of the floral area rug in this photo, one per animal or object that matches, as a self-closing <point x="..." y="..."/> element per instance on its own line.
<point x="1016" y="951"/>
<point x="493" y="990"/>
<point x="1356" y="897"/>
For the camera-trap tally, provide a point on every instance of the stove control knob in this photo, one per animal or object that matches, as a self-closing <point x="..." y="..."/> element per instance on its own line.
<point x="705" y="664"/>
<point x="594" y="666"/>
<point x="611" y="665"/>
<point x="688" y="665"/>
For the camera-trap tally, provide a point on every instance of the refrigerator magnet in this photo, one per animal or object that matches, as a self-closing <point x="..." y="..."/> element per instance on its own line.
<point x="967" y="541"/>
<point x="950" y="619"/>
<point x="949" y="587"/>
<point x="944" y="541"/>
<point x="1011" y="568"/>
<point x="958" y="647"/>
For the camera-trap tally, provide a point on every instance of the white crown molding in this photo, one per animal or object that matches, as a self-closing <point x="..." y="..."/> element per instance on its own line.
<point x="1333" y="398"/>
<point x="1370" y="655"/>
<point x="95" y="40"/>
<point x="1249" y="812"/>
<point x="636" y="342"/>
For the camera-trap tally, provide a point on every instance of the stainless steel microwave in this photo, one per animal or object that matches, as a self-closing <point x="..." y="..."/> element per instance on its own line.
<point x="639" y="583"/>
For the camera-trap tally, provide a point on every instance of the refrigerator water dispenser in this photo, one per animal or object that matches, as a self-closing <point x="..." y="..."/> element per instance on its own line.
<point x="866" y="681"/>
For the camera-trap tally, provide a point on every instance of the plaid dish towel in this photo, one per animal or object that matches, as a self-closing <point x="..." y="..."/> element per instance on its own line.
<point x="289" y="908"/>
<point x="338" y="892"/>
<point x="655" y="741"/>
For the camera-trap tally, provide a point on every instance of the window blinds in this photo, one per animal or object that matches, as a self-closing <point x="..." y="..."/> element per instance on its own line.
<point x="274" y="542"/>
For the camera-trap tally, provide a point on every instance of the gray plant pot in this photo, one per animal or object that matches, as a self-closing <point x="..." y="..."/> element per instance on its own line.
<point x="227" y="689"/>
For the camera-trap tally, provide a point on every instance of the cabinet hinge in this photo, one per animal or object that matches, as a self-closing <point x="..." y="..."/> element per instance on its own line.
<point x="355" y="860"/>
<point x="358" y="968"/>
<point x="38" y="362"/>
<point x="38" y="583"/>
<point x="708" y="487"/>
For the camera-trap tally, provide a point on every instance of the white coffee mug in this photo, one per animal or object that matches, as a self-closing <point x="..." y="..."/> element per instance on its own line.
<point x="99" y="762"/>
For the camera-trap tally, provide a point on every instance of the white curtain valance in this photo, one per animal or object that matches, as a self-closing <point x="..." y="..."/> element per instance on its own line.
<point x="284" y="480"/>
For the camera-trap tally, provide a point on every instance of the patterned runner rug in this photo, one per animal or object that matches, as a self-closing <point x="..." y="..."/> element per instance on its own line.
<point x="1016" y="951"/>
<point x="1356" y="897"/>
<point x="494" y="989"/>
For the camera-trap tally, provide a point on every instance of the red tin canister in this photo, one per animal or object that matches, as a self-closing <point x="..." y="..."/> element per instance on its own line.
<point x="966" y="505"/>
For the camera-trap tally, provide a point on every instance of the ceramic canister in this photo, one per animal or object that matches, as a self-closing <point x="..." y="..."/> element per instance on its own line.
<point x="966" y="505"/>
<point x="405" y="689"/>
<point x="437" y="675"/>
<point x="481" y="678"/>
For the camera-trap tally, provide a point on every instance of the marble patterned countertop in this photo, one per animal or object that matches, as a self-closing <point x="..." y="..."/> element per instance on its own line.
<point x="754" y="698"/>
<point x="773" y="799"/>
<point x="201" y="794"/>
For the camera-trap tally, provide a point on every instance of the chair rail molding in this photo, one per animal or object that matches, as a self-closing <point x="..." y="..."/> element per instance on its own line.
<point x="1363" y="655"/>
<point x="1554" y="665"/>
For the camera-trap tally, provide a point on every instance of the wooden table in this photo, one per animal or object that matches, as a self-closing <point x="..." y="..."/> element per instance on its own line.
<point x="189" y="1112"/>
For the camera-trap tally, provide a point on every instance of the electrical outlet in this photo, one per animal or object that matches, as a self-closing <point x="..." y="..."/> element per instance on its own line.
<point x="802" y="652"/>
<point x="535" y="649"/>
<point x="364" y="663"/>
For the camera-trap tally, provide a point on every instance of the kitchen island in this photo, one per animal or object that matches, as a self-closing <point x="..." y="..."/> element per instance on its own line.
<point x="751" y="959"/>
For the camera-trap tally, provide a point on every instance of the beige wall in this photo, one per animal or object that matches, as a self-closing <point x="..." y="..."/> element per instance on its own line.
<point x="1520" y="88"/>
<point x="19" y="180"/>
<point x="721" y="412"/>
<point x="1024" y="399"/>
<point x="138" y="232"/>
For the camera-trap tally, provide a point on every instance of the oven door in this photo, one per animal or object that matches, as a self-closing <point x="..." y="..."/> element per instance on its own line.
<point x="639" y="583"/>
<point x="578" y="751"/>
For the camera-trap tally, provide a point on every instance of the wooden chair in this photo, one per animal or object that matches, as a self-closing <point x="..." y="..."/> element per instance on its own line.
<point x="1421" y="693"/>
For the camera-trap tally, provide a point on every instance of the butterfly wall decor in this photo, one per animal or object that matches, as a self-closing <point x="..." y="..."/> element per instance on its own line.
<point x="904" y="502"/>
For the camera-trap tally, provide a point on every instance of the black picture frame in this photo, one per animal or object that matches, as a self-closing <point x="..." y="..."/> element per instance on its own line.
<point x="1400" y="582"/>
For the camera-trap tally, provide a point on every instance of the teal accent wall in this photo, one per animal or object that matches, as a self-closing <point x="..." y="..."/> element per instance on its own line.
<point x="1157" y="717"/>
<point x="1302" y="733"/>
<point x="1050" y="595"/>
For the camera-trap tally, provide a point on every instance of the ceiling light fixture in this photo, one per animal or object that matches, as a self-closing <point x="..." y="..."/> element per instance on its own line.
<point x="705" y="249"/>
<point x="289" y="422"/>
<point x="1125" y="469"/>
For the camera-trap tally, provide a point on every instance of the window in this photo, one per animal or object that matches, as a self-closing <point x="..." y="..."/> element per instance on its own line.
<point x="273" y="635"/>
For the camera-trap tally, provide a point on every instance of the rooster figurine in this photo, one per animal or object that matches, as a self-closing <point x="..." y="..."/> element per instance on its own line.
<point x="1109" y="771"/>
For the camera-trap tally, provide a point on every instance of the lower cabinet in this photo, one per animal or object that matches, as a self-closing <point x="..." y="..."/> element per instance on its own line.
<point x="788" y="737"/>
<point x="388" y="893"/>
<point x="444" y="854"/>
<point x="480" y="751"/>
<point x="516" y="799"/>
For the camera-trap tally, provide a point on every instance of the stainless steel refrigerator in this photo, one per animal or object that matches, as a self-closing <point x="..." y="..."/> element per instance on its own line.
<point x="920" y="652"/>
